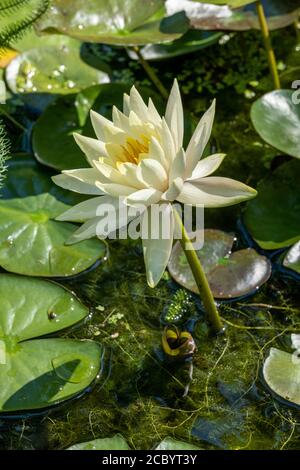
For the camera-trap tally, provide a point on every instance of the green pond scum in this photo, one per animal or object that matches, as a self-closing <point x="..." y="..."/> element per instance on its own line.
<point x="216" y="397"/>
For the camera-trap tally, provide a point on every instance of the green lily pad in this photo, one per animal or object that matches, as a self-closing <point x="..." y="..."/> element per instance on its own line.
<point x="32" y="242"/>
<point x="191" y="41"/>
<point x="292" y="258"/>
<point x="58" y="148"/>
<point x="273" y="217"/>
<point x="218" y="16"/>
<point x="277" y="120"/>
<point x="229" y="274"/>
<point x="54" y="66"/>
<point x="172" y="444"/>
<point x="281" y="372"/>
<point x="37" y="373"/>
<point x="26" y="177"/>
<point x="108" y="21"/>
<point x="117" y="442"/>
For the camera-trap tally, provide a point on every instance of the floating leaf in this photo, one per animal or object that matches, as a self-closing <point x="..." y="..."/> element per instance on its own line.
<point x="281" y="372"/>
<point x="173" y="444"/>
<point x="109" y="21"/>
<point x="117" y="442"/>
<point x="273" y="217"/>
<point x="37" y="373"/>
<point x="229" y="274"/>
<point x="221" y="17"/>
<point x="58" y="148"/>
<point x="190" y="42"/>
<point x="54" y="66"/>
<point x="292" y="258"/>
<point x="276" y="117"/>
<point x="26" y="177"/>
<point x="32" y="242"/>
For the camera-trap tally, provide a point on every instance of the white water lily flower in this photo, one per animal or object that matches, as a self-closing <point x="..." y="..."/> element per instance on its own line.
<point x="139" y="157"/>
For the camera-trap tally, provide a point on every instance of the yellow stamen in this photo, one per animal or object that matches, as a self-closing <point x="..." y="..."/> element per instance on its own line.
<point x="133" y="148"/>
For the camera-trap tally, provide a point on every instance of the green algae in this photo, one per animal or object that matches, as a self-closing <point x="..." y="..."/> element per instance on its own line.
<point x="141" y="394"/>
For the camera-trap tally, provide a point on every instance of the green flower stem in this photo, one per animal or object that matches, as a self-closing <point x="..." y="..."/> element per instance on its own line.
<point x="200" y="277"/>
<point x="11" y="119"/>
<point x="151" y="73"/>
<point x="268" y="44"/>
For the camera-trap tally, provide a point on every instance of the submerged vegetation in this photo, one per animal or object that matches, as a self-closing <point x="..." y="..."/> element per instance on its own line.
<point x="89" y="353"/>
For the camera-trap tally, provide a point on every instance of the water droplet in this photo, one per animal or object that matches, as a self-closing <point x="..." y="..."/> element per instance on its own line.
<point x="70" y="84"/>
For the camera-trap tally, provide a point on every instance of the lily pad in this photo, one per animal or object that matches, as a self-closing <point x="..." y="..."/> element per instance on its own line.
<point x="54" y="66"/>
<point x="109" y="21"/>
<point x="173" y="444"/>
<point x="216" y="15"/>
<point x="59" y="368"/>
<point x="117" y="442"/>
<point x="292" y="258"/>
<point x="190" y="42"/>
<point x="273" y="218"/>
<point x="58" y="148"/>
<point x="229" y="274"/>
<point x="281" y="372"/>
<point x="32" y="242"/>
<point x="277" y="120"/>
<point x="26" y="177"/>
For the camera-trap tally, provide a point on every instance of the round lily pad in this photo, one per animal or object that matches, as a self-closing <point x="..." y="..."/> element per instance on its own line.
<point x="26" y="177"/>
<point x="108" y="21"/>
<point x="58" y="148"/>
<point x="54" y="66"/>
<point x="191" y="41"/>
<point x="281" y="372"/>
<point x="292" y="258"/>
<point x="276" y="117"/>
<point x="229" y="274"/>
<point x="116" y="442"/>
<point x="32" y="242"/>
<point x="37" y="373"/>
<point x="273" y="218"/>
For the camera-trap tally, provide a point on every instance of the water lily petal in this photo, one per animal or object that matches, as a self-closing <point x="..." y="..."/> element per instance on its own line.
<point x="157" y="250"/>
<point x="178" y="166"/>
<point x="152" y="174"/>
<point x="116" y="190"/>
<point x="85" y="210"/>
<point x="215" y="191"/>
<point x="153" y="114"/>
<point x="104" y="129"/>
<point x="200" y="139"/>
<point x="113" y="175"/>
<point x="143" y="197"/>
<point x="126" y="104"/>
<point x="80" y="181"/>
<point x="137" y="104"/>
<point x="129" y="170"/>
<point x="92" y="148"/>
<point x="207" y="166"/>
<point x="156" y="152"/>
<point x="173" y="191"/>
<point x="167" y="142"/>
<point x="174" y="115"/>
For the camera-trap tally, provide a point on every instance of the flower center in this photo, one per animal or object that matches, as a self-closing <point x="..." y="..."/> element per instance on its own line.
<point x="133" y="148"/>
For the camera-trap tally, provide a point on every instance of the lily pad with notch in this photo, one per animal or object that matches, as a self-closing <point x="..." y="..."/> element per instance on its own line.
<point x="38" y="373"/>
<point x="230" y="275"/>
<point x="58" y="149"/>
<point x="32" y="242"/>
